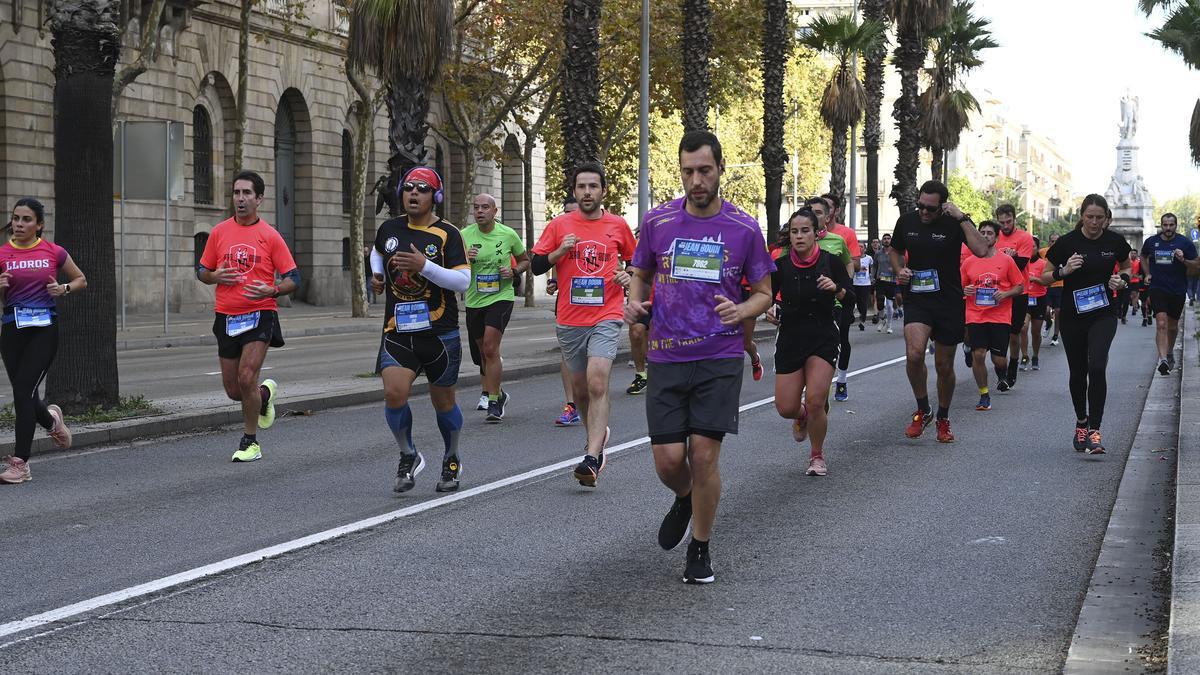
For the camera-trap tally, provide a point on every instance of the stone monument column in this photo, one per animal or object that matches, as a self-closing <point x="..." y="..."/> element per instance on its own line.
<point x="1127" y="196"/>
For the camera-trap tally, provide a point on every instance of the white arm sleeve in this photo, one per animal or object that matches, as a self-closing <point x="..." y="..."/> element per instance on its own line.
<point x="451" y="280"/>
<point x="376" y="261"/>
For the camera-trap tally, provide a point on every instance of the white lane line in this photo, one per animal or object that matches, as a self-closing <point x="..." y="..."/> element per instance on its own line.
<point x="75" y="609"/>
<point x="541" y="339"/>
<point x="217" y="372"/>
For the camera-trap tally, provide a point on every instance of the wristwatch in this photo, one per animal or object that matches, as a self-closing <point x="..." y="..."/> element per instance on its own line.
<point x="965" y="217"/>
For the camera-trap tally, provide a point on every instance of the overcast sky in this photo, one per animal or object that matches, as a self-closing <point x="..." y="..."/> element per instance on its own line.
<point x="1062" y="68"/>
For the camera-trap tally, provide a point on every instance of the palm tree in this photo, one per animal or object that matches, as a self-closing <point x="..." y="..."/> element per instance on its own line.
<point x="578" y="116"/>
<point x="946" y="105"/>
<point x="1180" y="33"/>
<point x="844" y="98"/>
<point x="873" y="10"/>
<point x="914" y="19"/>
<point x="404" y="42"/>
<point x="696" y="40"/>
<point x="776" y="47"/>
<point x="86" y="43"/>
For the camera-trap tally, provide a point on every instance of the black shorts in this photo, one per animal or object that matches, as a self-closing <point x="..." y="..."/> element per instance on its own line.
<point x="1054" y="297"/>
<point x="1020" y="307"/>
<point x="436" y="355"/>
<point x="267" y="331"/>
<point x="495" y="315"/>
<point x="885" y="290"/>
<point x="1166" y="302"/>
<point x="793" y="348"/>
<point x="695" y="397"/>
<point x="944" y="315"/>
<point x="990" y="336"/>
<point x="1037" y="311"/>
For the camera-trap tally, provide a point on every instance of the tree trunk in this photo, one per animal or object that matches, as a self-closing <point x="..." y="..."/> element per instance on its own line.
<point x="936" y="165"/>
<point x="532" y="133"/>
<point x="578" y="116"/>
<point x="909" y="57"/>
<point x="872" y="127"/>
<point x="696" y="43"/>
<point x="86" y="46"/>
<point x="364" y="118"/>
<point x="469" y="169"/>
<point x="239" y="123"/>
<point x="408" y="110"/>
<point x="837" y="163"/>
<point x="776" y="45"/>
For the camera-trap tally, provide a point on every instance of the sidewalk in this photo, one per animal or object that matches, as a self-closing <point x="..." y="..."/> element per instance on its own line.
<point x="1183" y="650"/>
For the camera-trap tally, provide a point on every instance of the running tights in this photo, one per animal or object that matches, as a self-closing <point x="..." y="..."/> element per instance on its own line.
<point x="27" y="354"/>
<point x="1086" y="342"/>
<point x="864" y="295"/>
<point x="844" y="321"/>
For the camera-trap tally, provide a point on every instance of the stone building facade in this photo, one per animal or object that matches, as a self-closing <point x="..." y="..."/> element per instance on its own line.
<point x="299" y="132"/>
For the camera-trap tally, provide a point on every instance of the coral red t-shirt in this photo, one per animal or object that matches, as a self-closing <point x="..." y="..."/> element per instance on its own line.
<point x="587" y="291"/>
<point x="256" y="251"/>
<point x="1033" y="271"/>
<point x="994" y="274"/>
<point x="851" y="239"/>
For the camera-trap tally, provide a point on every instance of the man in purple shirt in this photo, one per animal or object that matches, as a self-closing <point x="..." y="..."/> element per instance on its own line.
<point x="694" y="252"/>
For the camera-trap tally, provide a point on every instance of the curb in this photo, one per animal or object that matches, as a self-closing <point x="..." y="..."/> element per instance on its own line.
<point x="201" y="340"/>
<point x="1183" y="644"/>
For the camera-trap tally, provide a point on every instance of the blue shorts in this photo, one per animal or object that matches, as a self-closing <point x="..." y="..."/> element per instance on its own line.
<point x="438" y="356"/>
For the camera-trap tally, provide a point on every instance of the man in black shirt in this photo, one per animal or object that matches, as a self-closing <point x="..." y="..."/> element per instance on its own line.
<point x="925" y="253"/>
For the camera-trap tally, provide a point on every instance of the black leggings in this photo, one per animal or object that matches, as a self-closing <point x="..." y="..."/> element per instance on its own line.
<point x="27" y="354"/>
<point x="1086" y="342"/>
<point x="864" y="295"/>
<point x="844" y="321"/>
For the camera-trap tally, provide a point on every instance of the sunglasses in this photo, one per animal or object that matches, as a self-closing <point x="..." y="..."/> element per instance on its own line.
<point x="419" y="186"/>
<point x="929" y="209"/>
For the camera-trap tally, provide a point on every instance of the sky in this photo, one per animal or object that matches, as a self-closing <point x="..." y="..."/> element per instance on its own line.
<point x="1062" y="68"/>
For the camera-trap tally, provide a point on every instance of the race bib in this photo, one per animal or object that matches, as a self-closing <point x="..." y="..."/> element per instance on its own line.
<point x="1032" y="301"/>
<point x="985" y="297"/>
<point x="31" y="317"/>
<point x="412" y="316"/>
<point x="487" y="283"/>
<point x="588" y="291"/>
<point x="1164" y="256"/>
<point x="925" y="281"/>
<point x="697" y="260"/>
<point x="862" y="278"/>
<point x="887" y="277"/>
<point x="240" y="323"/>
<point x="1091" y="298"/>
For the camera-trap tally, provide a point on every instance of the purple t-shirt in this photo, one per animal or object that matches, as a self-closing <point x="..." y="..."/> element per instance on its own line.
<point x="694" y="259"/>
<point x="31" y="269"/>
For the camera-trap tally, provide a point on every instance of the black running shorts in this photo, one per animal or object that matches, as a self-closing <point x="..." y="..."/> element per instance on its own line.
<point x="990" y="336"/>
<point x="947" y="317"/>
<point x="1037" y="311"/>
<point x="1165" y="302"/>
<point x="695" y="397"/>
<point x="436" y="355"/>
<point x="267" y="331"/>
<point x="495" y="315"/>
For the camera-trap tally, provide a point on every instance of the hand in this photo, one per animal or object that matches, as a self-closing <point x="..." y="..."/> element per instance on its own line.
<point x="903" y="276"/>
<point x="1009" y="251"/>
<point x="226" y="276"/>
<point x="257" y="290"/>
<point x="1116" y="283"/>
<point x="506" y="272"/>
<point x="951" y="210"/>
<point x="1179" y="254"/>
<point x="969" y="290"/>
<point x="551" y="286"/>
<point x="472" y="251"/>
<point x="568" y="243"/>
<point x="826" y="284"/>
<point x="635" y="311"/>
<point x="773" y="314"/>
<point x="5" y="280"/>
<point x="622" y="278"/>
<point x="412" y="261"/>
<point x="54" y="288"/>
<point x="377" y="283"/>
<point x="1073" y="263"/>
<point x="729" y="312"/>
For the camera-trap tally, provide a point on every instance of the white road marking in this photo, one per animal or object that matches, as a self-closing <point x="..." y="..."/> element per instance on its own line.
<point x="541" y="339"/>
<point x="219" y="372"/>
<point x="157" y="585"/>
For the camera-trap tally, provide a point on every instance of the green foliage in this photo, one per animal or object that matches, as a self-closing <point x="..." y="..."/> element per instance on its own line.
<point x="127" y="406"/>
<point x="969" y="198"/>
<point x="1185" y="208"/>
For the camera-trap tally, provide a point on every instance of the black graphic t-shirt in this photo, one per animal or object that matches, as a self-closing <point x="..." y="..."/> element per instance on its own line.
<point x="424" y="306"/>
<point x="1085" y="291"/>
<point x="934" y="253"/>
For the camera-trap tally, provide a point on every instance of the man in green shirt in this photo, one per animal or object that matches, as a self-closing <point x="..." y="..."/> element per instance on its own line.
<point x="492" y="248"/>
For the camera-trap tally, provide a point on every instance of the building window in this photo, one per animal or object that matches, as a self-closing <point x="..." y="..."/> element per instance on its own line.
<point x="347" y="168"/>
<point x="198" y="243"/>
<point x="202" y="156"/>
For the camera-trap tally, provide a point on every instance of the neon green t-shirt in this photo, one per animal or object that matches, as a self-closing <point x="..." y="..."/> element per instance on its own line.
<point x="835" y="246"/>
<point x="495" y="251"/>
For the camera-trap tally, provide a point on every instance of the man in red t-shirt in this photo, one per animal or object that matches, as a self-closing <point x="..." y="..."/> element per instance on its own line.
<point x="585" y="248"/>
<point x="242" y="257"/>
<point x="991" y="284"/>
<point x="1018" y="245"/>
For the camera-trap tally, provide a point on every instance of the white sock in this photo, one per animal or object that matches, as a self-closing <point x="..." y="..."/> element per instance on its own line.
<point x="841" y="376"/>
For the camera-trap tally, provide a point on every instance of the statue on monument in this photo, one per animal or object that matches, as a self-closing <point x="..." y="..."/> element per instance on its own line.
<point x="1127" y="187"/>
<point x="1129" y="113"/>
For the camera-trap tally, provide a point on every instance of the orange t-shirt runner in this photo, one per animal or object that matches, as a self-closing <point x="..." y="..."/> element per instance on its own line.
<point x="587" y="292"/>
<point x="994" y="274"/>
<point x="1019" y="243"/>
<point x="1042" y="253"/>
<point x="1033" y="271"/>
<point x="257" y="252"/>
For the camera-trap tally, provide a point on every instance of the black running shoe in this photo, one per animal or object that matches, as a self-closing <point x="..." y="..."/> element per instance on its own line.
<point x="587" y="471"/>
<point x="1033" y="364"/>
<point x="1164" y="368"/>
<point x="1080" y="441"/>
<point x="451" y="473"/>
<point x="406" y="472"/>
<point x="967" y="356"/>
<point x="1002" y="386"/>
<point x="674" y="525"/>
<point x="699" y="566"/>
<point x="494" y="412"/>
<point x="504" y="401"/>
<point x="639" y="385"/>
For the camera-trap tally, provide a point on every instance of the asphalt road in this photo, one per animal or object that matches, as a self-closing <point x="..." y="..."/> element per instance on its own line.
<point x="910" y="556"/>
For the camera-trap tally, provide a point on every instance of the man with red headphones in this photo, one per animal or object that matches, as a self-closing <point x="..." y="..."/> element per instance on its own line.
<point x="420" y="260"/>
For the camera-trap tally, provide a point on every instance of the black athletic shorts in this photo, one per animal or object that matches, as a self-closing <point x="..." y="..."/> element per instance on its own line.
<point x="793" y="348"/>
<point x="436" y="355"/>
<point x="1054" y="297"/>
<point x="1163" y="301"/>
<point x="695" y="397"/>
<point x="267" y="330"/>
<point x="1037" y="311"/>
<point x="1020" y="307"/>
<point x="885" y="289"/>
<point x="495" y="315"/>
<point x="946" y="317"/>
<point x="990" y="336"/>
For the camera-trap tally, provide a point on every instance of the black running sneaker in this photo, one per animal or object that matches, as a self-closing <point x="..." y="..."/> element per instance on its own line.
<point x="1002" y="386"/>
<point x="1080" y="442"/>
<point x="587" y="471"/>
<point x="494" y="412"/>
<point x="406" y="472"/>
<point x="451" y="473"/>
<point x="1033" y="364"/>
<point x="504" y="400"/>
<point x="674" y="525"/>
<point x="699" y="567"/>
<point x="967" y="356"/>
<point x="1164" y="368"/>
<point x="639" y="385"/>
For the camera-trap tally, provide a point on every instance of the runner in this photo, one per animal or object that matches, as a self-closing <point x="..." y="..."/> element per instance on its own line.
<point x="639" y="345"/>
<point x="885" y="286"/>
<point x="242" y="257"/>
<point x="29" y="288"/>
<point x="1018" y="245"/>
<point x="491" y="247"/>
<point x="423" y="261"/>
<point x="695" y="251"/>
<point x="1127" y="298"/>
<point x="832" y="222"/>
<point x="809" y="281"/>
<point x="1084" y="260"/>
<point x="837" y="246"/>
<point x="585" y="247"/>
<point x="1167" y="257"/>
<point x="1037" y="294"/>
<point x="933" y="304"/>
<point x="1053" y="298"/>
<point x="991" y="283"/>
<point x="864" y="289"/>
<point x="570" y="413"/>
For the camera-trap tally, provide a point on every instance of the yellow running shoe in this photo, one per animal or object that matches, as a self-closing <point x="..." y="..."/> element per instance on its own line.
<point x="248" y="454"/>
<point x="266" y="415"/>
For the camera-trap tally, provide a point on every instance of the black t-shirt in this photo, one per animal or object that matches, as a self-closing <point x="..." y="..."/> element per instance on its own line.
<point x="1100" y="258"/>
<point x="413" y="293"/>
<point x="936" y="246"/>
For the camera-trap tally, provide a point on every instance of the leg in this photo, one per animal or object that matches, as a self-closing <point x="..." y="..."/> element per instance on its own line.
<point x="244" y="372"/>
<point x="397" y="385"/>
<point x="748" y="344"/>
<point x="844" y="321"/>
<point x="1161" y="328"/>
<point x="1035" y="337"/>
<point x="1075" y="344"/>
<point x="1025" y="339"/>
<point x="449" y="417"/>
<point x="1100" y="337"/>
<point x="817" y="372"/>
<point x="979" y="367"/>
<point x="916" y="336"/>
<point x="568" y="382"/>
<point x="595" y="382"/>
<point x="703" y="453"/>
<point x="493" y="364"/>
<point x="943" y="363"/>
<point x="1172" y="334"/>
<point x="639" y="344"/>
<point x="670" y="463"/>
<point x="27" y="354"/>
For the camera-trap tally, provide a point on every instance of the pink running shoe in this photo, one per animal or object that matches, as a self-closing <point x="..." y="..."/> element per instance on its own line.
<point x="15" y="470"/>
<point x="816" y="466"/>
<point x="59" y="433"/>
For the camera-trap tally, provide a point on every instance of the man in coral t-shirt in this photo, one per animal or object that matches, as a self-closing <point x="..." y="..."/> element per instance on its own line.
<point x="990" y="284"/>
<point x="242" y="257"/>
<point x="585" y="248"/>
